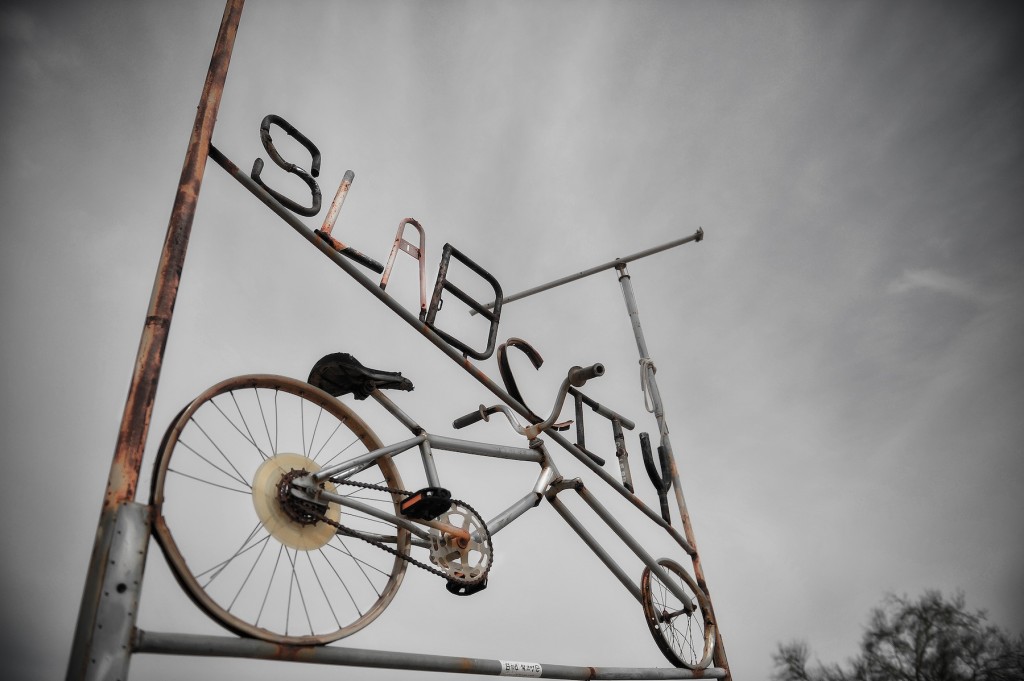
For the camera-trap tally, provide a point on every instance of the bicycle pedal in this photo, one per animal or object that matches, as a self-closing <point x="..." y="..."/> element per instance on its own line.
<point x="427" y="504"/>
<point x="465" y="589"/>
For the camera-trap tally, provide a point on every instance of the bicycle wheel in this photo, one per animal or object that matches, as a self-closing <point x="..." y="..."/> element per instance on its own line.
<point x="683" y="631"/>
<point x="233" y="536"/>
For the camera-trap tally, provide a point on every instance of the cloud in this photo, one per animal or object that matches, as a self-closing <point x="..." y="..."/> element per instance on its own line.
<point x="938" y="282"/>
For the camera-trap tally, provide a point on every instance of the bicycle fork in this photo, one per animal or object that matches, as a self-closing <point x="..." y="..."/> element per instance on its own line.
<point x="577" y="486"/>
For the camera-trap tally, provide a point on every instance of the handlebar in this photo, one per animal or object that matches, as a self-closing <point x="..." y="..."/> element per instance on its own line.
<point x="577" y="377"/>
<point x="470" y="418"/>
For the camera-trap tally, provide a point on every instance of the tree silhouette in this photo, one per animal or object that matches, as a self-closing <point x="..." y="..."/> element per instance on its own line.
<point x="930" y="639"/>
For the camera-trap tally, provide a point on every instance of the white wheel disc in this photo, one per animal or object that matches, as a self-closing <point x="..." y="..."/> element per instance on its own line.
<point x="277" y="522"/>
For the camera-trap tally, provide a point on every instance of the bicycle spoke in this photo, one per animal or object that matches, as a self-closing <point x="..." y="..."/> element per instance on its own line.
<point x="327" y="599"/>
<point x="357" y="564"/>
<point x="342" y="581"/>
<point x="263" y="417"/>
<point x="302" y="427"/>
<point x="316" y="426"/>
<point x="277" y="422"/>
<point x="270" y="583"/>
<point x="345" y="449"/>
<point x="216" y="446"/>
<point x="237" y="478"/>
<point x="328" y="440"/>
<point x="219" y="567"/>
<point x="248" y="575"/>
<point x="358" y="560"/>
<point x="245" y="423"/>
<point x="207" y="482"/>
<point x="234" y="425"/>
<point x="302" y="598"/>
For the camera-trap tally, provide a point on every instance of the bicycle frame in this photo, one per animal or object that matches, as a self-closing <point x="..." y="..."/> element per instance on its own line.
<point x="548" y="485"/>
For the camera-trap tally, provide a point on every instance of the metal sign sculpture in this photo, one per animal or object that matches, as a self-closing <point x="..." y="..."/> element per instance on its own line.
<point x="314" y="529"/>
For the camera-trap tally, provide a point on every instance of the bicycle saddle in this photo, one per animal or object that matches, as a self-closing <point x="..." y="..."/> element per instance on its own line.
<point x="340" y="373"/>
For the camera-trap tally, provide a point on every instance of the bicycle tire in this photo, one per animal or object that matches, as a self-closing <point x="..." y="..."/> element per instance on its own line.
<point x="230" y="541"/>
<point x="685" y="635"/>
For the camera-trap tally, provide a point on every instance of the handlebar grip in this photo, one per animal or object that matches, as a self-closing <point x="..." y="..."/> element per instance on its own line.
<point x="469" y="418"/>
<point x="578" y="376"/>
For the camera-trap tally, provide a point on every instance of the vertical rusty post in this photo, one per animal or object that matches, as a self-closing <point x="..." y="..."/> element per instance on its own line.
<point x="131" y="441"/>
<point x="124" y="471"/>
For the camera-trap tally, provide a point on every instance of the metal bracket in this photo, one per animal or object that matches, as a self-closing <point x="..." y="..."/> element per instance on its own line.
<point x="119" y="596"/>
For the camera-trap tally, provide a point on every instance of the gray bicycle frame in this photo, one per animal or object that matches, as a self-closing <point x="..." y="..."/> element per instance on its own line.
<point x="548" y="485"/>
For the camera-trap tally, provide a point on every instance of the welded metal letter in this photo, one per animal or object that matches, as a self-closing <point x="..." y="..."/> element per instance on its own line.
<point x="314" y="171"/>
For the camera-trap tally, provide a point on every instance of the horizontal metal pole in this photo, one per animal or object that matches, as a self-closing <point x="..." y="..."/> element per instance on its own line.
<point x="696" y="236"/>
<point x="223" y="646"/>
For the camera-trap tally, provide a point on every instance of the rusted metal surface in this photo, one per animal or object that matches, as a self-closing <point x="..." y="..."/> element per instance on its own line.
<point x="339" y="200"/>
<point x="650" y="388"/>
<point x="122" y="480"/>
<point x="139" y="405"/>
<point x="418" y="252"/>
<point x="332" y="218"/>
<point x="622" y="455"/>
<point x="219" y="646"/>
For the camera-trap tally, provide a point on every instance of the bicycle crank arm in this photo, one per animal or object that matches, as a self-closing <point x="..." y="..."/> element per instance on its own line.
<point x="457" y="532"/>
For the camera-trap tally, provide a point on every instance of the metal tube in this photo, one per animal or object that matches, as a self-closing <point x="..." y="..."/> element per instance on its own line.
<point x="393" y="409"/>
<point x="388" y="450"/>
<point x="450" y="444"/>
<point x="603" y="410"/>
<point x="498" y="522"/>
<point x="649" y="380"/>
<point x="618" y="487"/>
<point x="131" y="440"/>
<point x="428" y="464"/>
<point x="598" y="550"/>
<point x="696" y="236"/>
<point x="223" y="646"/>
<point x="371" y="511"/>
<point x="632" y="543"/>
<point x="338" y="202"/>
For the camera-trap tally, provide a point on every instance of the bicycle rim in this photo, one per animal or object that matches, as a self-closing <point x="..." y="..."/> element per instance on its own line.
<point x="256" y="569"/>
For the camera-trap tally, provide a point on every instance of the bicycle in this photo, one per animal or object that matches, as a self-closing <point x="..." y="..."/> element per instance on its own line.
<point x="322" y="529"/>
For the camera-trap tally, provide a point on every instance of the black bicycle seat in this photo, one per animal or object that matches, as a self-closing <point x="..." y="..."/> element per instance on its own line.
<point x="340" y="373"/>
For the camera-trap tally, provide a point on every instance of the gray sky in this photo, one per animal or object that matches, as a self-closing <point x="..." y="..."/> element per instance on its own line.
<point x="840" y="358"/>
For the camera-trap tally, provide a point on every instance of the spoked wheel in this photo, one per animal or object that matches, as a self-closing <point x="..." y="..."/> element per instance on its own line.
<point x="237" y="541"/>
<point x="683" y="630"/>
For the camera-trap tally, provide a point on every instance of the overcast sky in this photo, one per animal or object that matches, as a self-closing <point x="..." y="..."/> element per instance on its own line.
<point x="840" y="358"/>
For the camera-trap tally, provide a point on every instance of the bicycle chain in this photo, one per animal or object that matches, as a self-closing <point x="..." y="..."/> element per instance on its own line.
<point x="406" y="557"/>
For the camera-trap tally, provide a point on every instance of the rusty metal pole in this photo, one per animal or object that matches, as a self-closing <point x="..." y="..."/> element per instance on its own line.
<point x="652" y="399"/>
<point x="85" y="660"/>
